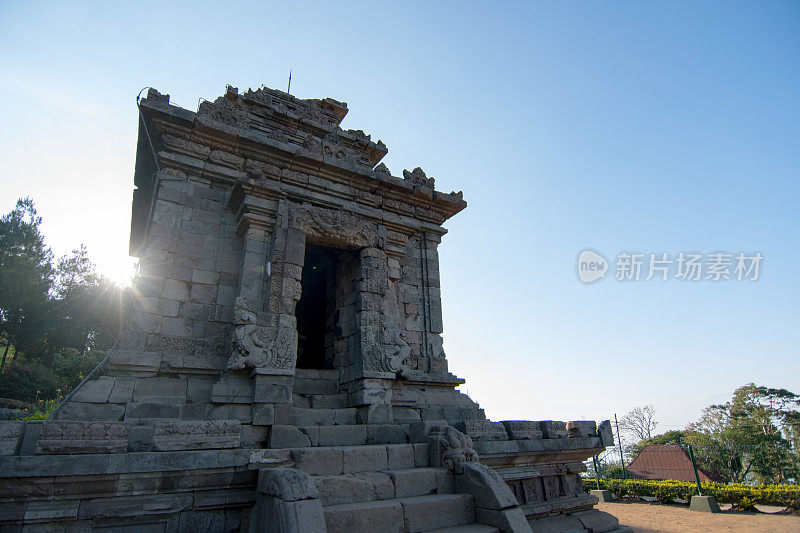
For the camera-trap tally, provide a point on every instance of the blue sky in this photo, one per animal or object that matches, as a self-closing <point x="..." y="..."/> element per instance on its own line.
<point x="624" y="126"/>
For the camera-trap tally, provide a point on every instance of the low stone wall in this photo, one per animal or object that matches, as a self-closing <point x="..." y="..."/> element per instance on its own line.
<point x="209" y="490"/>
<point x="179" y="475"/>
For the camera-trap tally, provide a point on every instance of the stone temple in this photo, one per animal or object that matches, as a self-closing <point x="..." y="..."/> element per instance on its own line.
<point x="281" y="365"/>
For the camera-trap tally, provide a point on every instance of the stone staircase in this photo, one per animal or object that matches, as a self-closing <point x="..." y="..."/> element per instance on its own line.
<point x="320" y="417"/>
<point x="368" y="476"/>
<point x="385" y="488"/>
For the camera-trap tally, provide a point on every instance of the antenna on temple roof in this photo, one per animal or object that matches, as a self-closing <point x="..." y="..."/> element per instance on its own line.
<point x="289" y="88"/>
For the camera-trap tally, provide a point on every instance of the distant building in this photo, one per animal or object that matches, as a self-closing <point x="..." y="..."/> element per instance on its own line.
<point x="662" y="462"/>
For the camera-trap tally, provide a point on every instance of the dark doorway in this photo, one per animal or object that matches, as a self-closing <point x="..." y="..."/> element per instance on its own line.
<point x="315" y="305"/>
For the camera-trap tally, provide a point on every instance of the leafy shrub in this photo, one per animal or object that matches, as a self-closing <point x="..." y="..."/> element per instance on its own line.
<point x="744" y="496"/>
<point x="71" y="366"/>
<point x="746" y="504"/>
<point x="43" y="409"/>
<point x="28" y="382"/>
<point x="31" y="381"/>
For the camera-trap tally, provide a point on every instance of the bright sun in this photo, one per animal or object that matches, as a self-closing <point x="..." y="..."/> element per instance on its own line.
<point x="120" y="270"/>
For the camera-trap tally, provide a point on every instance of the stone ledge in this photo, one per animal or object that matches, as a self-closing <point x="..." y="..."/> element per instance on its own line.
<point x="196" y="434"/>
<point x="74" y="437"/>
<point x="137" y="462"/>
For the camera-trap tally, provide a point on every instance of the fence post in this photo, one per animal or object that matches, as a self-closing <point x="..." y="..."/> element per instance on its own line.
<point x="619" y="441"/>
<point x="694" y="467"/>
<point x="596" y="472"/>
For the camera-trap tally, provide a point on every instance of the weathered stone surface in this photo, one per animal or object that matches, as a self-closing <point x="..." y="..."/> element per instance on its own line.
<point x="266" y="458"/>
<point x="482" y="429"/>
<point x="134" y="363"/>
<point x="486" y="486"/>
<point x="10" y="436"/>
<point x="272" y="394"/>
<point x="74" y="437"/>
<point x="598" y="521"/>
<point x="253" y="436"/>
<point x="437" y="511"/>
<point x="414" y="482"/>
<point x="581" y="428"/>
<point x="419" y="431"/>
<point x="141" y="439"/>
<point x="95" y="391"/>
<point x="160" y="389"/>
<point x="288" y="484"/>
<point x="511" y="520"/>
<point x="318" y="461"/>
<point x="364" y="459"/>
<point x="349" y="435"/>
<point x="143" y="410"/>
<point x="369" y="516"/>
<point x="522" y="429"/>
<point x="421" y="455"/>
<point x="274" y="514"/>
<point x="605" y="433"/>
<point x="401" y="456"/>
<point x="233" y="389"/>
<point x="81" y="411"/>
<point x="337" y="490"/>
<point x="381" y="481"/>
<point x="287" y="437"/>
<point x="264" y="414"/>
<point x="196" y="434"/>
<point x="385" y="434"/>
<point x="554" y="524"/>
<point x="552" y="429"/>
<point x="30" y="437"/>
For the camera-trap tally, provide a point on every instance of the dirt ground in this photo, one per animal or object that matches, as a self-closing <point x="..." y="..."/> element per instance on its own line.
<point x="656" y="518"/>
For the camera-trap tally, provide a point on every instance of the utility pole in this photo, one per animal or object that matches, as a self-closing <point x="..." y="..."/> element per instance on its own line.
<point x="289" y="88"/>
<point x="619" y="441"/>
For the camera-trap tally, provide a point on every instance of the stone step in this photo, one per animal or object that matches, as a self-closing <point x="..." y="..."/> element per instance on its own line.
<point x="335" y="460"/>
<point x="362" y="487"/>
<point x="309" y="386"/>
<point x="323" y="417"/>
<point x="423" y="513"/>
<point x="410" y="482"/>
<point x="310" y="381"/>
<point x="467" y="528"/>
<point x="285" y="436"/>
<point x="329" y="401"/>
<point x="367" y="517"/>
<point x="313" y="373"/>
<point x="298" y="400"/>
<point x="419" y="513"/>
<point x="354" y="434"/>
<point x="320" y="401"/>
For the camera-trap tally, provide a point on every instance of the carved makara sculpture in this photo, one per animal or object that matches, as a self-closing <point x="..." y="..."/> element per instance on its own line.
<point x="256" y="346"/>
<point x="452" y="448"/>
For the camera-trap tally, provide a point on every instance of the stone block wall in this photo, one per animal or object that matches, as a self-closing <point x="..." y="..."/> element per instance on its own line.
<point x="189" y="273"/>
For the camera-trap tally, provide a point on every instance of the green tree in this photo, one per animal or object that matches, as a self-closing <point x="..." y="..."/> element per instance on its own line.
<point x="25" y="279"/>
<point x="752" y="437"/>
<point x="86" y="307"/>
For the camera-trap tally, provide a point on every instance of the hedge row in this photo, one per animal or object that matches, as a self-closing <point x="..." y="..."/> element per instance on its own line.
<point x="667" y="491"/>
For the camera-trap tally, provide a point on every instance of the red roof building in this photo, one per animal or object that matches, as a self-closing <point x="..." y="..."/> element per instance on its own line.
<point x="661" y="462"/>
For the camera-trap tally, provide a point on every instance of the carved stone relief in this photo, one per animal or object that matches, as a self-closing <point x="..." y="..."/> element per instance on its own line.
<point x="346" y="228"/>
<point x="256" y="346"/>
